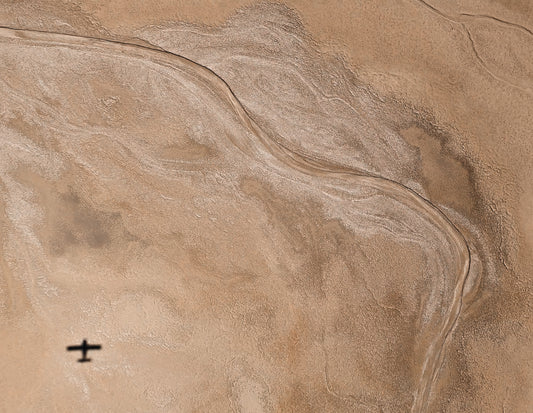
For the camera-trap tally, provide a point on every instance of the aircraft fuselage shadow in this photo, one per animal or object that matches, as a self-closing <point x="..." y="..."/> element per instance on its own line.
<point x="84" y="348"/>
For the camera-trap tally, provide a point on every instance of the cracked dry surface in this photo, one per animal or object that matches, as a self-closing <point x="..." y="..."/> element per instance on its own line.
<point x="247" y="223"/>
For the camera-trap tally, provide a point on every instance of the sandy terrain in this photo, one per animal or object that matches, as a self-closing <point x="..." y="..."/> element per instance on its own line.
<point x="266" y="207"/>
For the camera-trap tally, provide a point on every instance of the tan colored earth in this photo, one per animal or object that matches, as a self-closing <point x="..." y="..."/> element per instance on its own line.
<point x="300" y="206"/>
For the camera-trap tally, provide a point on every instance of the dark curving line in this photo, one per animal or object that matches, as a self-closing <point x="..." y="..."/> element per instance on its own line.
<point x="462" y="23"/>
<point x="501" y="21"/>
<point x="484" y="64"/>
<point x="315" y="167"/>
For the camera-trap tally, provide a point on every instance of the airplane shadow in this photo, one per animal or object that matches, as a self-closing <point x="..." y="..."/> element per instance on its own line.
<point x="84" y="348"/>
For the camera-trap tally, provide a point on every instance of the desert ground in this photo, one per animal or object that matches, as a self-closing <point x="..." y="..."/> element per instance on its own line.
<point x="296" y="206"/>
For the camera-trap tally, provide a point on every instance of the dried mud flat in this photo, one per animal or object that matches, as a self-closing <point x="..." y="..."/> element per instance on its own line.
<point x="248" y="222"/>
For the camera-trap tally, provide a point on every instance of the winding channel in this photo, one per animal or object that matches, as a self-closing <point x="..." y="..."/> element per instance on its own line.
<point x="312" y="167"/>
